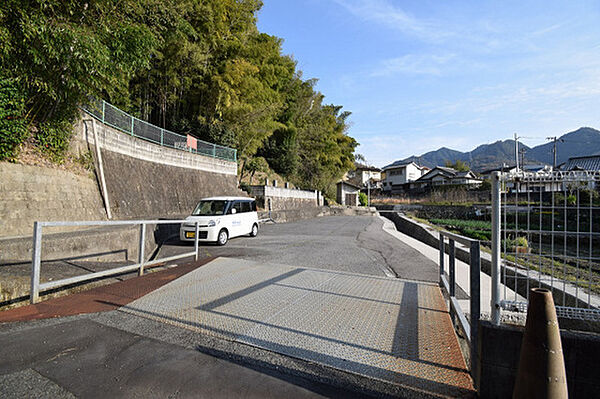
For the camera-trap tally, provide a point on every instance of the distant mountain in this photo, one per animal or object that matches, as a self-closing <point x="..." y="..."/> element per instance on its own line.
<point x="483" y="157"/>
<point x="439" y="157"/>
<point x="583" y="141"/>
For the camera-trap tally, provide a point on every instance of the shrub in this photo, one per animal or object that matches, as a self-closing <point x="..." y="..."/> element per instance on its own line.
<point x="13" y="127"/>
<point x="362" y="198"/>
<point x="54" y="137"/>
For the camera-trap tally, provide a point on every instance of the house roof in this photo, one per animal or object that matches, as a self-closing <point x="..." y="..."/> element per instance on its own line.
<point x="448" y="172"/>
<point x="498" y="169"/>
<point x="359" y="166"/>
<point x="590" y="162"/>
<point x="348" y="184"/>
<point x="400" y="164"/>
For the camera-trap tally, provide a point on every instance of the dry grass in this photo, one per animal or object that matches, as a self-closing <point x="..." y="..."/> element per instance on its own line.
<point x="30" y="154"/>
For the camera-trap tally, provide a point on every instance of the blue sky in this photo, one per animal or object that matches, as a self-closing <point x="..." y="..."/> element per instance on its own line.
<point x="419" y="75"/>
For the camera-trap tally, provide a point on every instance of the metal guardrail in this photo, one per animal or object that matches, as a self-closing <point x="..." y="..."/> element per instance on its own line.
<point x="120" y="120"/>
<point x="470" y="327"/>
<point x="37" y="287"/>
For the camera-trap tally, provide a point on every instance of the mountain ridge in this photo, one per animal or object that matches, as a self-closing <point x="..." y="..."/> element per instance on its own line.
<point x="581" y="142"/>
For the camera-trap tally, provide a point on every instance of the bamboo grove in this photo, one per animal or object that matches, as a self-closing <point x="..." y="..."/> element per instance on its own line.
<point x="199" y="67"/>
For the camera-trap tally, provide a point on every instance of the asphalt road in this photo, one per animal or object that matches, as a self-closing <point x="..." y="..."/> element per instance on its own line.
<point x="85" y="356"/>
<point x="355" y="244"/>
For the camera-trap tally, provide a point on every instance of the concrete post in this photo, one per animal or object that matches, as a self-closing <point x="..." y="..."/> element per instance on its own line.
<point x="101" y="170"/>
<point x="286" y="184"/>
<point x="274" y="183"/>
<point x="266" y="182"/>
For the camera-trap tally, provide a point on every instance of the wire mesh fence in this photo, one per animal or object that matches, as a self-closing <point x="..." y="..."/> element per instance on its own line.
<point x="114" y="117"/>
<point x="550" y="238"/>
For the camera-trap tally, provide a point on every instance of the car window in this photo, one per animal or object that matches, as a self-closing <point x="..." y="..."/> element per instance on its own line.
<point x="209" y="208"/>
<point x="237" y="206"/>
<point x="253" y="205"/>
<point x="246" y="206"/>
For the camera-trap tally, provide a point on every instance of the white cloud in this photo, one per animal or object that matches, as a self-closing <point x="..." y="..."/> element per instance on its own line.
<point x="414" y="64"/>
<point x="392" y="16"/>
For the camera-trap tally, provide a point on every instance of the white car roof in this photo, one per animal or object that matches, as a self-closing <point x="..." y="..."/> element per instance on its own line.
<point x="227" y="199"/>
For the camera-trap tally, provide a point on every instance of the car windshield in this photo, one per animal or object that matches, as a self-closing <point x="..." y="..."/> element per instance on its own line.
<point x="210" y="208"/>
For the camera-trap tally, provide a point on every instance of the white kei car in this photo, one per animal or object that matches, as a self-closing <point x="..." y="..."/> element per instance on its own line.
<point x="221" y="218"/>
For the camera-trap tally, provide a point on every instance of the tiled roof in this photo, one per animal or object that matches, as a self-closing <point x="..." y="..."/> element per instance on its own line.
<point x="591" y="162"/>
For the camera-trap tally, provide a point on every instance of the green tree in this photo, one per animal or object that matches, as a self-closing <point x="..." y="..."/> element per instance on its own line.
<point x="458" y="165"/>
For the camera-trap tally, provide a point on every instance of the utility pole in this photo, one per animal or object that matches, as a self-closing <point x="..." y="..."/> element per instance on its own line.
<point x="517" y="151"/>
<point x="522" y="151"/>
<point x="554" y="152"/>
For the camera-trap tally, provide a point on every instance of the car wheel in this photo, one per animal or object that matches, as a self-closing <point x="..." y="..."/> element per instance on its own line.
<point x="254" y="231"/>
<point x="222" y="237"/>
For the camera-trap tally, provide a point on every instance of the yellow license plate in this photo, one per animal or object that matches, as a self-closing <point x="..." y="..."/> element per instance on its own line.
<point x="190" y="234"/>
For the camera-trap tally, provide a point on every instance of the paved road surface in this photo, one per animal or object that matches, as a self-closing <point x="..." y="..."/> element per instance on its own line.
<point x="127" y="353"/>
<point x="355" y="244"/>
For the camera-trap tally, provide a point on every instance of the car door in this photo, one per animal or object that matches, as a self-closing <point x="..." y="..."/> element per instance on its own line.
<point x="247" y="218"/>
<point x="236" y="219"/>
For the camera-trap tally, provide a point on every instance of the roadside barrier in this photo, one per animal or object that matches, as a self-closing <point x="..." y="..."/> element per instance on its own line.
<point x="36" y="263"/>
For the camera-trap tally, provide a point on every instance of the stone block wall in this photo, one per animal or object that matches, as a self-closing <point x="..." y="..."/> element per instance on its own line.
<point x="30" y="193"/>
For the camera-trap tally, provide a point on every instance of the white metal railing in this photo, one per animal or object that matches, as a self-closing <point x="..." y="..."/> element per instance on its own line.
<point x="470" y="327"/>
<point x="37" y="287"/>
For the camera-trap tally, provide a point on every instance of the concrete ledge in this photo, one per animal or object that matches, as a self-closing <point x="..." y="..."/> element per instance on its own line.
<point x="499" y="350"/>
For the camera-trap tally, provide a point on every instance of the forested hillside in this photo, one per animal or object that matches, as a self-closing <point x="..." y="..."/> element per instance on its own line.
<point x="199" y="67"/>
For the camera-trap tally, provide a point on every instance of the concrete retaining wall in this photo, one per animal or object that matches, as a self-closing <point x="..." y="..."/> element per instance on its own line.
<point x="32" y="193"/>
<point x="292" y="215"/>
<point x="443" y="211"/>
<point x="116" y="141"/>
<point x="139" y="189"/>
<point x="499" y="349"/>
<point x="144" y="181"/>
<point x="282" y="198"/>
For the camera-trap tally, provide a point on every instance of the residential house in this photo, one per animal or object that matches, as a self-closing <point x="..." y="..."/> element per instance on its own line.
<point x="347" y="193"/>
<point x="444" y="176"/>
<point x="397" y="176"/>
<point x="588" y="163"/>
<point x="363" y="174"/>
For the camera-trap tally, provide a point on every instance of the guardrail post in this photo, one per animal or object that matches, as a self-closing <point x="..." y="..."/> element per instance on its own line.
<point x="442" y="256"/>
<point x="475" y="305"/>
<point x="162" y="134"/>
<point x="495" y="305"/>
<point x="36" y="263"/>
<point x="141" y="248"/>
<point x="452" y="272"/>
<point x="103" y="109"/>
<point x="214" y="151"/>
<point x="132" y="120"/>
<point x="196" y="239"/>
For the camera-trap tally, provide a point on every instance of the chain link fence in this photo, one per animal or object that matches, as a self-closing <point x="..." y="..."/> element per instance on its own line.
<point x="550" y="237"/>
<point x="114" y="117"/>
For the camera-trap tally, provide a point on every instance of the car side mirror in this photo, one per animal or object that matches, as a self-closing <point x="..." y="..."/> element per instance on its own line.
<point x="233" y="211"/>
